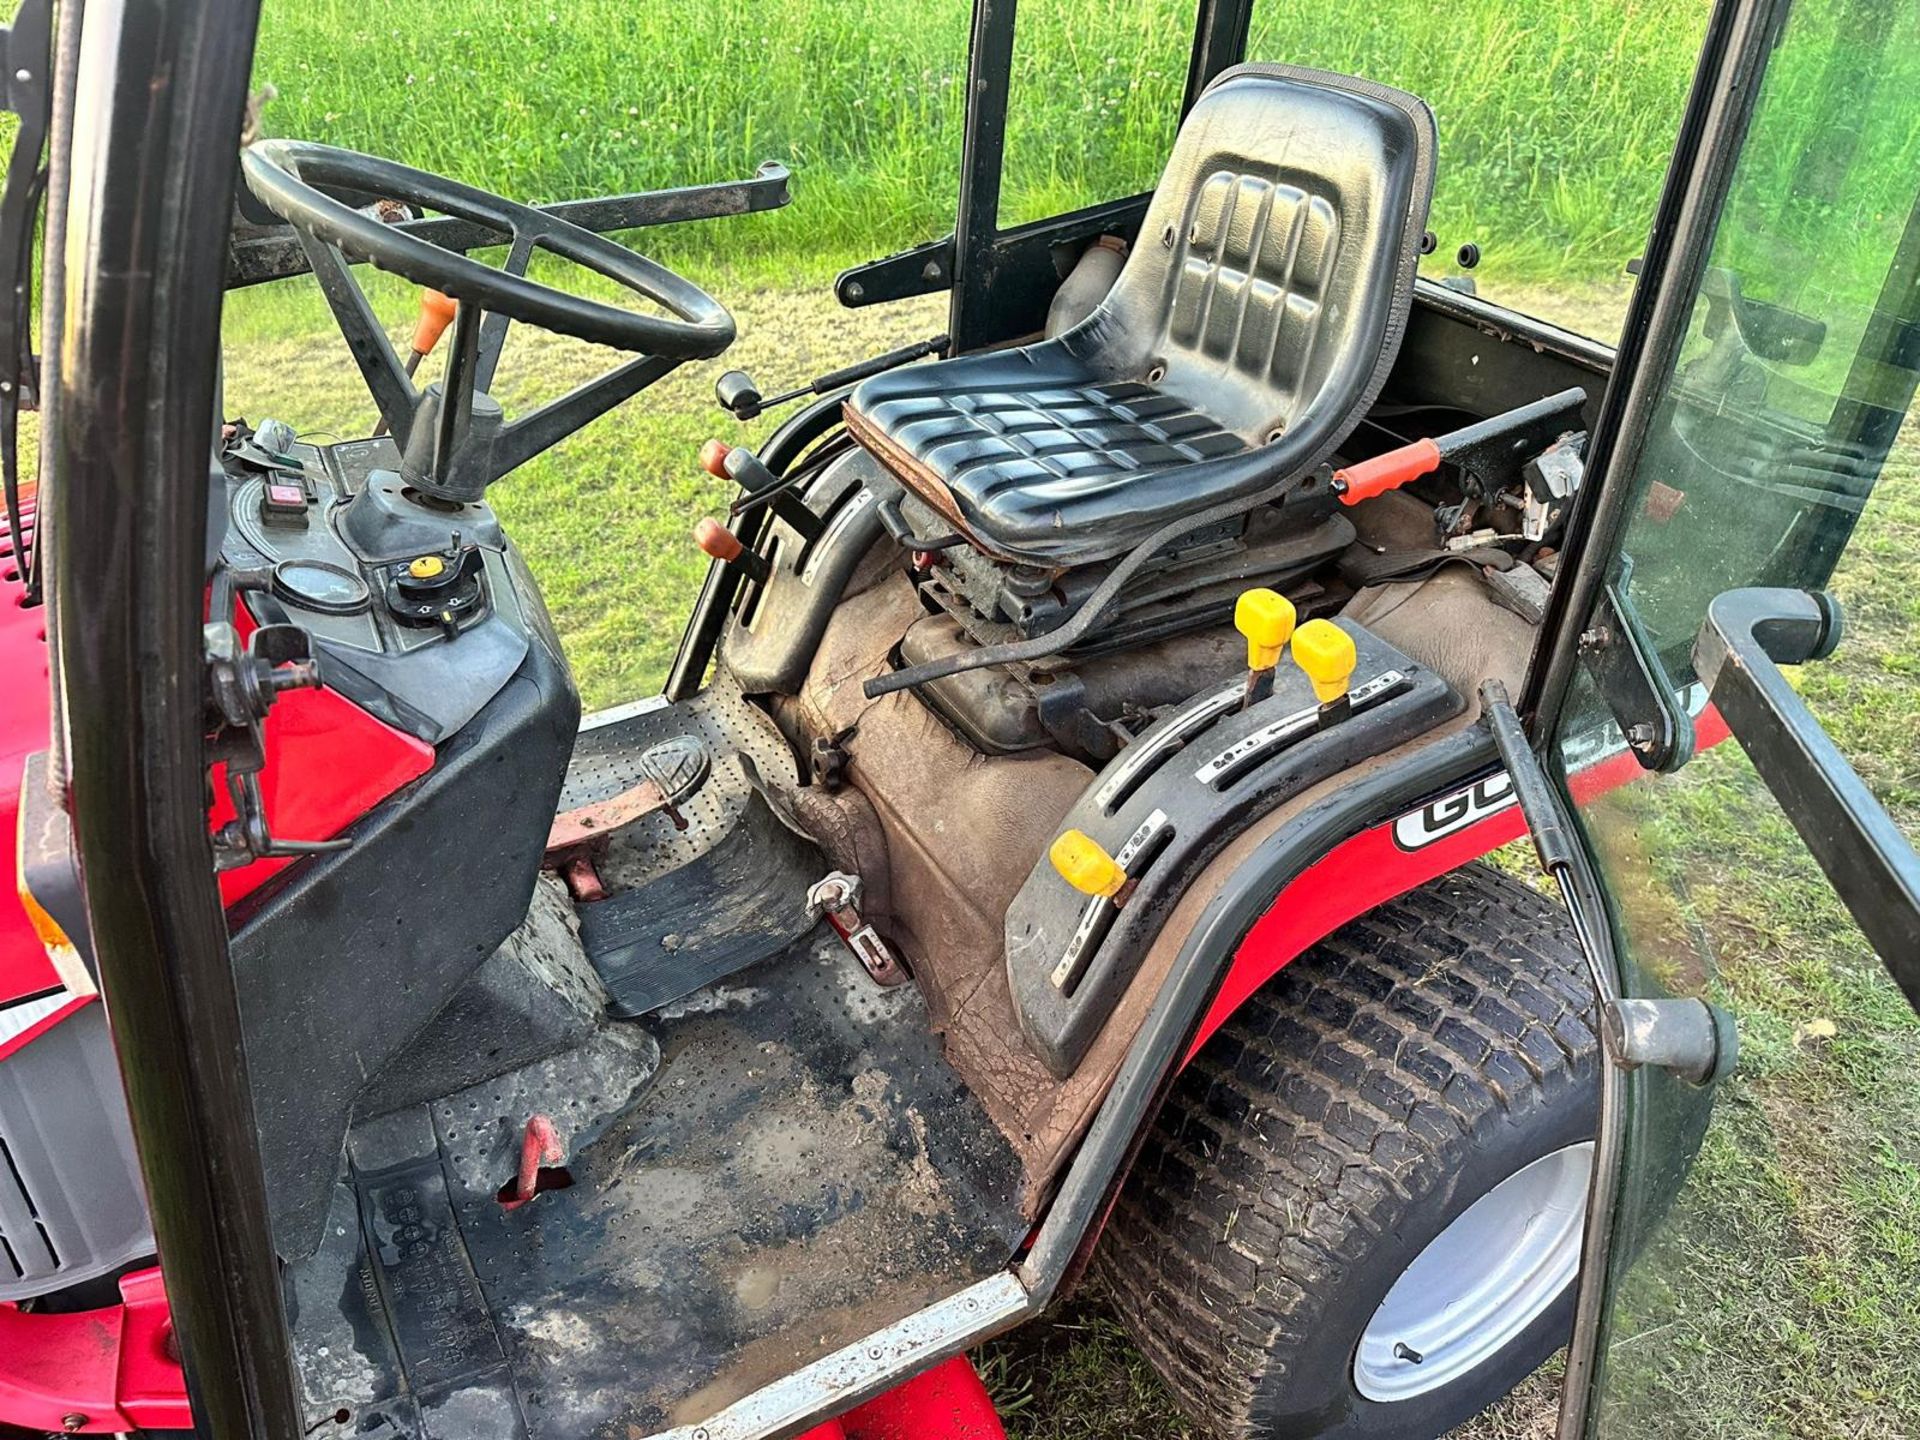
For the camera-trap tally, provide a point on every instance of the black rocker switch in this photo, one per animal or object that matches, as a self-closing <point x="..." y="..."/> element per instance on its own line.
<point x="284" y="499"/>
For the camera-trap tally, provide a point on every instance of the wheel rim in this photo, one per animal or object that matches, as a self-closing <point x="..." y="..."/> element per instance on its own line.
<point x="1480" y="1282"/>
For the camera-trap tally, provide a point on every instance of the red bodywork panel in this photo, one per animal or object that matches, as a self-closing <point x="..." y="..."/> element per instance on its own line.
<point x="95" y="1371"/>
<point x="947" y="1402"/>
<point x="328" y="763"/>
<point x="1388" y="860"/>
<point x="25" y="723"/>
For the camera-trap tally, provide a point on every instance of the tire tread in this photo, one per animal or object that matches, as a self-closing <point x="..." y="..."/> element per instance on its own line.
<point x="1328" y="1105"/>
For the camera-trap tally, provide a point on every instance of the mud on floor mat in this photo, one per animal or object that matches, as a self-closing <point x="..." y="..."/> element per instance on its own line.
<point x="687" y="907"/>
<point x="803" y="1170"/>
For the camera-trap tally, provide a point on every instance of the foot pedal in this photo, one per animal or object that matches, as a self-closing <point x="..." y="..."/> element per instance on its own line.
<point x="727" y="909"/>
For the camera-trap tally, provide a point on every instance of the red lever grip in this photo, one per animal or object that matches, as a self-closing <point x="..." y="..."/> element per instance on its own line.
<point x="713" y="458"/>
<point x="716" y="540"/>
<point x="1386" y="472"/>
<point x="436" y="313"/>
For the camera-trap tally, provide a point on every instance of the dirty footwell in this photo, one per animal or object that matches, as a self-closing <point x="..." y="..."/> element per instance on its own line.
<point x="801" y="1169"/>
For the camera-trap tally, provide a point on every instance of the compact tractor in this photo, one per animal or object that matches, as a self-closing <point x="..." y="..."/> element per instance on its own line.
<point x="1057" y="848"/>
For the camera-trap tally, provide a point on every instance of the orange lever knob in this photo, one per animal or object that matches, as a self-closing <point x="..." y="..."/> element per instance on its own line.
<point x="716" y="540"/>
<point x="1386" y="472"/>
<point x="436" y="313"/>
<point x="713" y="458"/>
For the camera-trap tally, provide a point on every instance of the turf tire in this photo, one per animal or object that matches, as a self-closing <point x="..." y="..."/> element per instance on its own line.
<point x="1378" y="1086"/>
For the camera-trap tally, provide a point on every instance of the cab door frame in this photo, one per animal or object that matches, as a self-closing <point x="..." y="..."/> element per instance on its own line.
<point x="1842" y="822"/>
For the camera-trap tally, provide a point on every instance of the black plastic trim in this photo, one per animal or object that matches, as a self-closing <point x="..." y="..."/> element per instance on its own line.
<point x="1067" y="1236"/>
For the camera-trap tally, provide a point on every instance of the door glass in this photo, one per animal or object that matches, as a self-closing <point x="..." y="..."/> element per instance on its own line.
<point x="1766" y="1277"/>
<point x="1093" y="102"/>
<point x="1556" y="123"/>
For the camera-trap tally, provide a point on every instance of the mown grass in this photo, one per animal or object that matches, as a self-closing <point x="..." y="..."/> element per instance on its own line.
<point x="1555" y="119"/>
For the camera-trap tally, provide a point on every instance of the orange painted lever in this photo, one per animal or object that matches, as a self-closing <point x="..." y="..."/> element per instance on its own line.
<point x="1386" y="472"/>
<point x="718" y="541"/>
<point x="713" y="458"/>
<point x="723" y="545"/>
<point x="436" y="313"/>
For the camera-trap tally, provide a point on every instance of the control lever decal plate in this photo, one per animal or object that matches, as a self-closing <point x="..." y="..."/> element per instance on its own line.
<point x="1169" y="802"/>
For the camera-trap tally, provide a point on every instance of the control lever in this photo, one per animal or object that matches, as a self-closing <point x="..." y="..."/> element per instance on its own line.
<point x="719" y="543"/>
<point x="436" y="313"/>
<point x="1326" y="653"/>
<point x="837" y="898"/>
<point x="738" y="394"/>
<point x="1088" y="868"/>
<point x="1266" y="618"/>
<point x="746" y="469"/>
<point x="1492" y="449"/>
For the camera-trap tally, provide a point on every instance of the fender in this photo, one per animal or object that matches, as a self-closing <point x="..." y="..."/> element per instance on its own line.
<point x="1386" y="861"/>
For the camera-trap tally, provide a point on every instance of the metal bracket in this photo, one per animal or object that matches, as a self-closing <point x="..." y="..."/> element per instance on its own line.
<point x="924" y="270"/>
<point x="1632" y="681"/>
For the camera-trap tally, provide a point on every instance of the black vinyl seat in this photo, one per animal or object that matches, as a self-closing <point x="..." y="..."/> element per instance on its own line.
<point x="1253" y="324"/>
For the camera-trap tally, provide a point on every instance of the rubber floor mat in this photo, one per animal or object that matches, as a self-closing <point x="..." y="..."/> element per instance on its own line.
<point x="727" y="908"/>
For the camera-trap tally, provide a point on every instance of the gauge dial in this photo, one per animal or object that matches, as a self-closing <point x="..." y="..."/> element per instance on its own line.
<point x="318" y="586"/>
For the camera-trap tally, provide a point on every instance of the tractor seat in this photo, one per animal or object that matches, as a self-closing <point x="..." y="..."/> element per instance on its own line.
<point x="1253" y="324"/>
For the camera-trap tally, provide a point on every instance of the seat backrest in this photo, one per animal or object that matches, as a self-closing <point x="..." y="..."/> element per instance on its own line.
<point x="1273" y="274"/>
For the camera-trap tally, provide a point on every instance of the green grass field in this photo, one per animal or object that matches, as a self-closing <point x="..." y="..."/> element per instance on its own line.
<point x="1787" y="1289"/>
<point x="1555" y="119"/>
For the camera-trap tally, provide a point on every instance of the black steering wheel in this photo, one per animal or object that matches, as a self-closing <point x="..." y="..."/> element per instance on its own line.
<point x="455" y="444"/>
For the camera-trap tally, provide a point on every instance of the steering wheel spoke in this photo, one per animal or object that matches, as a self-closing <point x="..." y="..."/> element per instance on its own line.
<point x="493" y="336"/>
<point x="557" y="419"/>
<point x="387" y="381"/>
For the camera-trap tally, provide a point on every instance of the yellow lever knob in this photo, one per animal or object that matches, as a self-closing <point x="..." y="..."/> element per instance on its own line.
<point x="1085" y="866"/>
<point x="1265" y="617"/>
<point x="1325" y="652"/>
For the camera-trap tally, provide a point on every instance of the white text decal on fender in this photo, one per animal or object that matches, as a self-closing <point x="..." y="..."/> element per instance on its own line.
<point x="1452" y="813"/>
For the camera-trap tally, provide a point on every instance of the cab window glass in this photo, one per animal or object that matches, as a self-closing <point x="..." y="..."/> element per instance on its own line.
<point x="1791" y="391"/>
<point x="1762" y="1276"/>
<point x="1556" y="123"/>
<point x="1093" y="102"/>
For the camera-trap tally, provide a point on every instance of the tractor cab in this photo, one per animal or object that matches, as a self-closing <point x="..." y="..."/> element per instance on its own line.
<point x="1057" y="846"/>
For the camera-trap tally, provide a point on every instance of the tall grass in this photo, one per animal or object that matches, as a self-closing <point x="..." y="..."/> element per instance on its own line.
<point x="1556" y="116"/>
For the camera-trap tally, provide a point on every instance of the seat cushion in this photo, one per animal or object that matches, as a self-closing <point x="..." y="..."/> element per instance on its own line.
<point x="1251" y="327"/>
<point x="1016" y="468"/>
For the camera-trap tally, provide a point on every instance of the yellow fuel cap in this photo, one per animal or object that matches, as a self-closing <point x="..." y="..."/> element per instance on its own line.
<point x="427" y="567"/>
<point x="1084" y="865"/>
<point x="1265" y="617"/>
<point x="1325" y="652"/>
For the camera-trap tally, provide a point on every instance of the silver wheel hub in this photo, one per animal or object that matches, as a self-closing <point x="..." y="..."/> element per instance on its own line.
<point x="1480" y="1282"/>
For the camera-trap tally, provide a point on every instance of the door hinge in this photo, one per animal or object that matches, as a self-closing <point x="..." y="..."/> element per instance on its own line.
<point x="1633" y="683"/>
